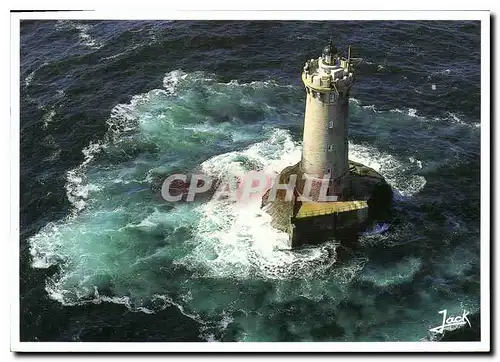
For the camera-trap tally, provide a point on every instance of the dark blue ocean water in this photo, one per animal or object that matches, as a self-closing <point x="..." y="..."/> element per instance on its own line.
<point x="108" y="108"/>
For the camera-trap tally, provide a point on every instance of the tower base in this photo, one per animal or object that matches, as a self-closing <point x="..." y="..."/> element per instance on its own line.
<point x="368" y="199"/>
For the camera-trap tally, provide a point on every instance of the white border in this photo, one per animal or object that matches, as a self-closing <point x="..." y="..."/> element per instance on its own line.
<point x="148" y="14"/>
<point x="484" y="345"/>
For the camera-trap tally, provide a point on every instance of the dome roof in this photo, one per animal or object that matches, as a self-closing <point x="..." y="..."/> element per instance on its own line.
<point x="330" y="49"/>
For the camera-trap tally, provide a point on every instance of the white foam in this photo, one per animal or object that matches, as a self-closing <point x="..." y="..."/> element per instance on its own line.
<point x="454" y="118"/>
<point x="57" y="293"/>
<point x="44" y="246"/>
<point x="83" y="33"/>
<point x="29" y="78"/>
<point x="415" y="161"/>
<point x="397" y="174"/>
<point x="48" y="118"/>
<point x="259" y="84"/>
<point x="88" y="40"/>
<point x="440" y="72"/>
<point x="451" y="117"/>
<point x="372" y="108"/>
<point x="77" y="190"/>
<point x="121" y="53"/>
<point x="172" y="79"/>
<point x="411" y="112"/>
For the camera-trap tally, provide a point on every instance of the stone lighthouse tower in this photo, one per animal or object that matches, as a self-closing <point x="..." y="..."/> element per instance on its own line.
<point x="331" y="197"/>
<point x="327" y="80"/>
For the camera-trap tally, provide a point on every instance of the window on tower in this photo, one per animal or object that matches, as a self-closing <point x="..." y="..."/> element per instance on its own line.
<point x="330" y="148"/>
<point x="330" y="124"/>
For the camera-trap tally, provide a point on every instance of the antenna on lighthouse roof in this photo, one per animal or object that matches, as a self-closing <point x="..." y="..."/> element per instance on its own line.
<point x="348" y="59"/>
<point x="332" y="47"/>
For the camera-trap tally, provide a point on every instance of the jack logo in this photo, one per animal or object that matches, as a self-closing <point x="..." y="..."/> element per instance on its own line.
<point x="451" y="321"/>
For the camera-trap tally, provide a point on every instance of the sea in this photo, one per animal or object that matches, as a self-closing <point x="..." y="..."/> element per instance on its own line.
<point x="109" y="108"/>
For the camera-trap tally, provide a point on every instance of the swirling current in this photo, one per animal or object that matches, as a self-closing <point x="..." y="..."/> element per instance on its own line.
<point x="109" y="108"/>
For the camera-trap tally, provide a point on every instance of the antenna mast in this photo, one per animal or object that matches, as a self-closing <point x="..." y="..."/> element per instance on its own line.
<point x="348" y="58"/>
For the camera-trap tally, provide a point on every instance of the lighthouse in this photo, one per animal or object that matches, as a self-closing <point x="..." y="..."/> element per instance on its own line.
<point x="331" y="196"/>
<point x="327" y="82"/>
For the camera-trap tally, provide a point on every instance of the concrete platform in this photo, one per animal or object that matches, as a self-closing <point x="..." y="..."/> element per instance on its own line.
<point x="308" y="222"/>
<point x="311" y="209"/>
